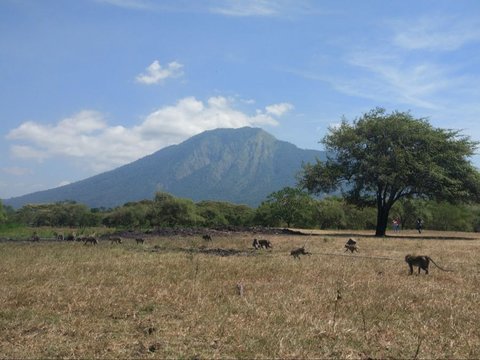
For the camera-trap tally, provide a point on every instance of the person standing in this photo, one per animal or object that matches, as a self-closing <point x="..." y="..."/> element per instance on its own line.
<point x="395" y="225"/>
<point x="419" y="225"/>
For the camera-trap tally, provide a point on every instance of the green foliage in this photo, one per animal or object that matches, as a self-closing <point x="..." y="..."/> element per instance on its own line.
<point x="331" y="214"/>
<point x="131" y="215"/>
<point x="475" y="214"/>
<point x="442" y="216"/>
<point x="336" y="213"/>
<point x="65" y="213"/>
<point x="3" y="213"/>
<point x="265" y="215"/>
<point x="382" y="158"/>
<point x="291" y="206"/>
<point x="360" y="218"/>
<point x="447" y="216"/>
<point x="408" y="210"/>
<point x="13" y="230"/>
<point x="218" y="213"/>
<point x="168" y="211"/>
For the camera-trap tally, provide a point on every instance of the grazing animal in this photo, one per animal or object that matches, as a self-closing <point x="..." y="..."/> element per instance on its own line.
<point x="70" y="237"/>
<point x="264" y="244"/>
<point x="139" y="240"/>
<point x="115" y="240"/>
<point x="35" y="237"/>
<point x="240" y="288"/>
<point x="207" y="237"/>
<point x="90" y="240"/>
<point x="299" y="251"/>
<point x="421" y="262"/>
<point x="351" y="245"/>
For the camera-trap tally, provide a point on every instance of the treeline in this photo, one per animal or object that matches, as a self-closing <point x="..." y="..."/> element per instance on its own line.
<point x="289" y="207"/>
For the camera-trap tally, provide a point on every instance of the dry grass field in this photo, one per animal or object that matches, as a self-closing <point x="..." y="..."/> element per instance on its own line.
<point x="171" y="298"/>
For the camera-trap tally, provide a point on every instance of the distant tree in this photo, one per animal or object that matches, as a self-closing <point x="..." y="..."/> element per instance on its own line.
<point x="218" y="213"/>
<point x="450" y="217"/>
<point x="291" y="206"/>
<point x="335" y="213"/>
<point x="212" y="216"/>
<point x="330" y="213"/>
<point x="408" y="210"/>
<point x="382" y="158"/>
<point x="65" y="213"/>
<point x="265" y="216"/>
<point x="3" y="213"/>
<point x="121" y="217"/>
<point x="130" y="215"/>
<point x="359" y="218"/>
<point x="474" y="210"/>
<point x="34" y="215"/>
<point x="169" y="211"/>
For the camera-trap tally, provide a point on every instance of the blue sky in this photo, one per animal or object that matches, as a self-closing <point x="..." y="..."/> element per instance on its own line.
<point x="89" y="85"/>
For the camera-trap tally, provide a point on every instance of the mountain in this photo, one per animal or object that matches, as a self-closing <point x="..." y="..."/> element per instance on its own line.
<point x="241" y="166"/>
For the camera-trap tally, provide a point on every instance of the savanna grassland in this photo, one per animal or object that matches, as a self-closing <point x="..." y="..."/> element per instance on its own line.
<point x="171" y="298"/>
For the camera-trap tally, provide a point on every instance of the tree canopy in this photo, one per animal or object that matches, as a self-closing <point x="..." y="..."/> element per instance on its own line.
<point x="289" y="205"/>
<point x="383" y="157"/>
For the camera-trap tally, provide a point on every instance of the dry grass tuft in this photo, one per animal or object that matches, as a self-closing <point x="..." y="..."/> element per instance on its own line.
<point x="163" y="300"/>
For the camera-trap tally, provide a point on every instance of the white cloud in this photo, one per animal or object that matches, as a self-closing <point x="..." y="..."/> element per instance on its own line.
<point x="17" y="171"/>
<point x="191" y="116"/>
<point x="87" y="136"/>
<point x="247" y="8"/>
<point x="27" y="152"/>
<point x="436" y="33"/>
<point x="232" y="8"/>
<point x="155" y="73"/>
<point x="264" y="8"/>
<point x="128" y="4"/>
<point x="413" y="66"/>
<point x="394" y="79"/>
<point x="70" y="136"/>
<point x="279" y="109"/>
<point x="383" y="80"/>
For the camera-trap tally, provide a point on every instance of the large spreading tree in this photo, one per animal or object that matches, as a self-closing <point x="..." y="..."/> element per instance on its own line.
<point x="383" y="157"/>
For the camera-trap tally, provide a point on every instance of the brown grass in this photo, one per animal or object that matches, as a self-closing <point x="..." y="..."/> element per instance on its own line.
<point x="68" y="300"/>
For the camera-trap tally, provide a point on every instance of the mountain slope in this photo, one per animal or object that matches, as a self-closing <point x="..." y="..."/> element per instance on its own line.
<point x="236" y="165"/>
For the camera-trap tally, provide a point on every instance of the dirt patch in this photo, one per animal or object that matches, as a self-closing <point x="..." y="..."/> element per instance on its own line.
<point x="218" y="231"/>
<point x="225" y="252"/>
<point x="207" y="251"/>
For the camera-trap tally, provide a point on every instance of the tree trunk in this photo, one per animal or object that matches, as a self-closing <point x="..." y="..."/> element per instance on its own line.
<point x="382" y="220"/>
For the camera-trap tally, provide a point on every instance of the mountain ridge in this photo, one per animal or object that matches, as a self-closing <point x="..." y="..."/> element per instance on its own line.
<point x="236" y="165"/>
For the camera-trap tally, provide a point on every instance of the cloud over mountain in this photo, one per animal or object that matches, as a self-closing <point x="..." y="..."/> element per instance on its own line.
<point x="88" y="137"/>
<point x="241" y="165"/>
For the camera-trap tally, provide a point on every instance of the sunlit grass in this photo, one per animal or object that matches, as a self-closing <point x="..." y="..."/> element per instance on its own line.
<point x="159" y="300"/>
